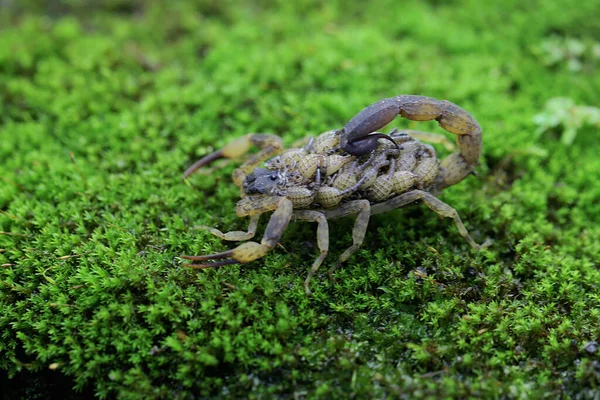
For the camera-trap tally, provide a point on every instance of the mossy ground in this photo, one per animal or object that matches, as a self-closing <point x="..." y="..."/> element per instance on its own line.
<point x="104" y="104"/>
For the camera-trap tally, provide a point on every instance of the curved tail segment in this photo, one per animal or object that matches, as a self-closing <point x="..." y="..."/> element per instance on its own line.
<point x="358" y="134"/>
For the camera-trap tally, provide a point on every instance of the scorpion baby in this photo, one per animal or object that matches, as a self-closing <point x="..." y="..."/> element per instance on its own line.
<point x="354" y="171"/>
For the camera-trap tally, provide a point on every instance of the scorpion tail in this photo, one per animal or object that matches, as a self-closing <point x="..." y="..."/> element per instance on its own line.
<point x="357" y="135"/>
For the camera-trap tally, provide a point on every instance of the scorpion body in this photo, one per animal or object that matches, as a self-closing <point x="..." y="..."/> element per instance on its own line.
<point x="344" y="172"/>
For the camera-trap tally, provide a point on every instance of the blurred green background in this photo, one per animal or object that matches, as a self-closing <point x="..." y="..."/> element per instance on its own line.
<point x="103" y="104"/>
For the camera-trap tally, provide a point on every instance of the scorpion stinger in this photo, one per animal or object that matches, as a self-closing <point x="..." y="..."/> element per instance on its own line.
<point x="367" y="144"/>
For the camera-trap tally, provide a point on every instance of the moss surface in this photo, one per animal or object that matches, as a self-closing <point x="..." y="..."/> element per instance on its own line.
<point x="103" y="106"/>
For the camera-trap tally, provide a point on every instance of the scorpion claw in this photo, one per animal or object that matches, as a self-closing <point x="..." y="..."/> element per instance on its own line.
<point x="211" y="264"/>
<point x="242" y="254"/>
<point x="226" y="255"/>
<point x="216" y="256"/>
<point x="202" y="162"/>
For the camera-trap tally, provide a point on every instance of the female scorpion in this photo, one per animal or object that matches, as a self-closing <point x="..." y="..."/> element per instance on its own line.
<point x="345" y="172"/>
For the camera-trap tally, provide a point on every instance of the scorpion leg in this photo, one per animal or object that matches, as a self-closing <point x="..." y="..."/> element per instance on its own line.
<point x="362" y="210"/>
<point x="434" y="204"/>
<point x="250" y="251"/>
<point x="236" y="236"/>
<point x="268" y="144"/>
<point x="322" y="239"/>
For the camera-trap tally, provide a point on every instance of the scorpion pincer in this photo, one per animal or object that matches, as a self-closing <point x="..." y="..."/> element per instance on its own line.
<point x="345" y="172"/>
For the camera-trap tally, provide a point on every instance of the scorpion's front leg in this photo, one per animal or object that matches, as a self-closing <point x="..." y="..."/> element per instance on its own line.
<point x="269" y="146"/>
<point x="251" y="251"/>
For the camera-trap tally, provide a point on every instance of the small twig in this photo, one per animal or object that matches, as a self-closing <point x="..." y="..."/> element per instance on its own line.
<point x="17" y="184"/>
<point x="24" y="364"/>
<point x="12" y="234"/>
<point x="9" y="215"/>
<point x="52" y="281"/>
<point x="117" y="227"/>
<point x="432" y="374"/>
<point x="73" y="255"/>
<point x="16" y="288"/>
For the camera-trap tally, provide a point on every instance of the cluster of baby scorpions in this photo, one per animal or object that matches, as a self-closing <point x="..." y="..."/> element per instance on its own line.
<point x="355" y="170"/>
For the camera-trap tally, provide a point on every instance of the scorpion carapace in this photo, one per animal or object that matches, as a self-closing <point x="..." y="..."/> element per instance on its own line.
<point x="344" y="172"/>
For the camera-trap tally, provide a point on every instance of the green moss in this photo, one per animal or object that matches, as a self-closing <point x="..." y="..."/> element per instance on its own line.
<point x="102" y="108"/>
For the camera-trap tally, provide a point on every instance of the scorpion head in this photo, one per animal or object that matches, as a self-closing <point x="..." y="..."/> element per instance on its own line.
<point x="264" y="181"/>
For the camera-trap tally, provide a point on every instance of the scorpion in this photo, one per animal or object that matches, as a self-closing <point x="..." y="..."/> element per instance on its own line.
<point x="354" y="171"/>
